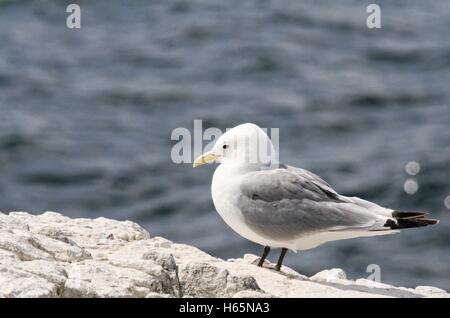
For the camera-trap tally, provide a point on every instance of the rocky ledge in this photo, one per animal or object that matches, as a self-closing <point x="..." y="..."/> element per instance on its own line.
<point x="50" y="255"/>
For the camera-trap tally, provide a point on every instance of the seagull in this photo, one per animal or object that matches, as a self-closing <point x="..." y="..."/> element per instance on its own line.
<point x="280" y="206"/>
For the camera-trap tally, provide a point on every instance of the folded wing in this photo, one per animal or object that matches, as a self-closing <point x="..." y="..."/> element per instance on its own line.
<point x="287" y="203"/>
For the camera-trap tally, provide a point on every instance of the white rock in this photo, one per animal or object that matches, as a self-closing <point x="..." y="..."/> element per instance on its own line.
<point x="51" y="271"/>
<point x="21" y="284"/>
<point x="206" y="280"/>
<point x="50" y="255"/>
<point x="430" y="290"/>
<point x="157" y="295"/>
<point x="252" y="294"/>
<point x="98" y="279"/>
<point x="330" y="275"/>
<point x="372" y="284"/>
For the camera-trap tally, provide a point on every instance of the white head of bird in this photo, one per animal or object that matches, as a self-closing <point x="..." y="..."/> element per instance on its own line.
<point x="246" y="144"/>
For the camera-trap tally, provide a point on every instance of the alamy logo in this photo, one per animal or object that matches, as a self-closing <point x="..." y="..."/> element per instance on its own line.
<point x="374" y="19"/>
<point x="190" y="145"/>
<point x="73" y="20"/>
<point x="375" y="271"/>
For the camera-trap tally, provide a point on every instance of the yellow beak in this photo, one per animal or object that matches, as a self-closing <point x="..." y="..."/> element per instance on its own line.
<point x="207" y="157"/>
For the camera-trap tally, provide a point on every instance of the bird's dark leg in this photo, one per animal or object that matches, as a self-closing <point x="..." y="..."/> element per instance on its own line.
<point x="280" y="259"/>
<point x="264" y="255"/>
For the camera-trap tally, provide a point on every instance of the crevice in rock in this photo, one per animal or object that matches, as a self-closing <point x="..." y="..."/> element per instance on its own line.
<point x="177" y="277"/>
<point x="37" y="245"/>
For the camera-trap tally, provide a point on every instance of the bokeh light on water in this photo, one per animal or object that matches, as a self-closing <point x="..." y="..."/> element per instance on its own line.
<point x="412" y="168"/>
<point x="447" y="202"/>
<point x="411" y="186"/>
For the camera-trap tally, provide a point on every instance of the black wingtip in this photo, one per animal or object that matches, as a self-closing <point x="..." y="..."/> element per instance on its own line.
<point x="408" y="215"/>
<point x="408" y="220"/>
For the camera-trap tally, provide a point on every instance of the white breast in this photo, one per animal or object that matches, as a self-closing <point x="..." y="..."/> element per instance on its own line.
<point x="225" y="192"/>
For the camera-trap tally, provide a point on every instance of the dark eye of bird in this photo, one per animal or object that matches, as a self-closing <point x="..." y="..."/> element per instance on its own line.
<point x="225" y="146"/>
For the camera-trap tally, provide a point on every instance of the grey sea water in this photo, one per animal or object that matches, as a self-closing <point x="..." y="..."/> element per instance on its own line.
<point x="86" y="115"/>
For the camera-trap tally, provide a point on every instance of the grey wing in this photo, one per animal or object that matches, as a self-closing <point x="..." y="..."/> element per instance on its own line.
<point x="287" y="203"/>
<point x="313" y="178"/>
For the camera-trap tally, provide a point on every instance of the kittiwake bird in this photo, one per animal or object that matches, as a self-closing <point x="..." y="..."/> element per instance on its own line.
<point x="280" y="206"/>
